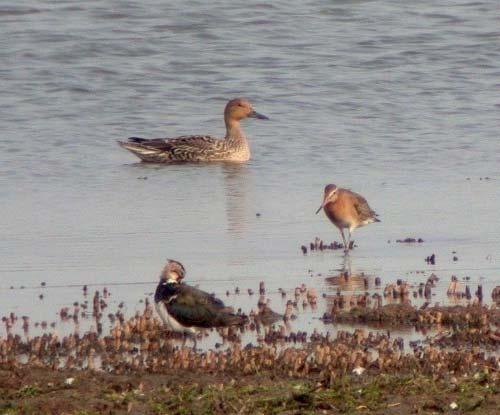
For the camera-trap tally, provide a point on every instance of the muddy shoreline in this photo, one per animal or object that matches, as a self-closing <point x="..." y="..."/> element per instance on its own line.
<point x="139" y="370"/>
<point x="134" y="365"/>
<point x="32" y="390"/>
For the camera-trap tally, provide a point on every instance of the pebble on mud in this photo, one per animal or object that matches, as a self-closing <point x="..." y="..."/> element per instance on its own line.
<point x="69" y="381"/>
<point x="410" y="240"/>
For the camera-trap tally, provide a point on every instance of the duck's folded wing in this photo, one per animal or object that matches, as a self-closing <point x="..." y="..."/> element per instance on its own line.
<point x="196" y="147"/>
<point x="180" y="145"/>
<point x="184" y="148"/>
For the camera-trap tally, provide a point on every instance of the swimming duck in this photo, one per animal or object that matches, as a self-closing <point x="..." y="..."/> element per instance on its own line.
<point x="185" y="309"/>
<point x="196" y="148"/>
<point x="346" y="209"/>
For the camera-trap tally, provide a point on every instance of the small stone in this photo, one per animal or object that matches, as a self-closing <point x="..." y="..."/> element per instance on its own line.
<point x="69" y="381"/>
<point x="453" y="405"/>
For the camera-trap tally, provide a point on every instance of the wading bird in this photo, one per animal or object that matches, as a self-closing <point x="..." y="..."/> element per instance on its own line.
<point x="346" y="209"/>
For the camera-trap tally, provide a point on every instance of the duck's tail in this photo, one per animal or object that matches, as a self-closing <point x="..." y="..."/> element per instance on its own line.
<point x="136" y="146"/>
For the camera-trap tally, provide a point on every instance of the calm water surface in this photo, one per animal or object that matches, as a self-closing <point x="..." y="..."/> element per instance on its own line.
<point x="397" y="101"/>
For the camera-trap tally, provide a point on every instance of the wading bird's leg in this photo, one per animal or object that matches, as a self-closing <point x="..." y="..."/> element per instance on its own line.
<point x="346" y="265"/>
<point x="346" y="248"/>
<point x="348" y="240"/>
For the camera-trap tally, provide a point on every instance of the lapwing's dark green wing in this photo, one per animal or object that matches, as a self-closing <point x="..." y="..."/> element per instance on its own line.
<point x="190" y="315"/>
<point x="193" y="307"/>
<point x="198" y="296"/>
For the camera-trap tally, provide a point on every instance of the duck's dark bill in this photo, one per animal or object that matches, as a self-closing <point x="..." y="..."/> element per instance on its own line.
<point x="255" y="114"/>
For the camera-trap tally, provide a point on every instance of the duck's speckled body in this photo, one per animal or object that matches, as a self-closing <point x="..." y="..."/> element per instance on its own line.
<point x="199" y="148"/>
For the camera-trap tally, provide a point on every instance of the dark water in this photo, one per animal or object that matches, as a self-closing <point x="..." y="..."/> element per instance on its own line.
<point x="397" y="101"/>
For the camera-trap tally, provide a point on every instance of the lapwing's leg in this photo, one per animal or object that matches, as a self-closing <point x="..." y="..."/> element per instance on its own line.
<point x="195" y="342"/>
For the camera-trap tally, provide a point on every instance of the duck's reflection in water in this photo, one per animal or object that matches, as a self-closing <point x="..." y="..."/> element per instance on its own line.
<point x="238" y="189"/>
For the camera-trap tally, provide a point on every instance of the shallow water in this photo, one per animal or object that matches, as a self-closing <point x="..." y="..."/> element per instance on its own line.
<point x="398" y="102"/>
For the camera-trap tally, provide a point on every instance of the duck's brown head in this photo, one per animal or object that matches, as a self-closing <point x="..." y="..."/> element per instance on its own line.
<point x="173" y="271"/>
<point x="330" y="195"/>
<point x="240" y="108"/>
